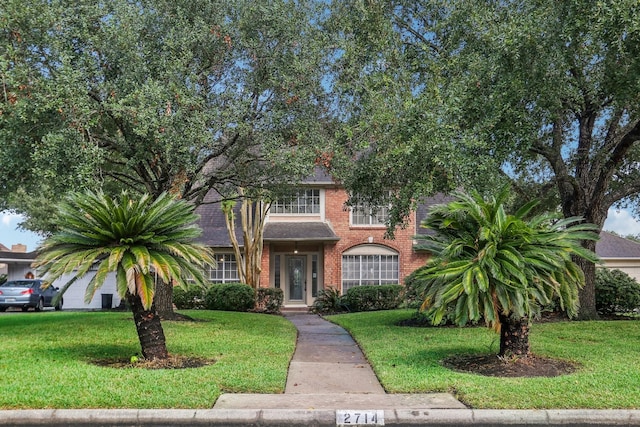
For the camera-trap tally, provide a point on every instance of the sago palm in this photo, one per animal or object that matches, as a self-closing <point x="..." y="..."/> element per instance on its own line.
<point x="141" y="240"/>
<point x="501" y="267"/>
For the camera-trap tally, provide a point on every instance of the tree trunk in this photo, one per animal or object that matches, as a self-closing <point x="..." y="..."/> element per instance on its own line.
<point x="514" y="336"/>
<point x="150" y="332"/>
<point x="587" y="294"/>
<point x="163" y="300"/>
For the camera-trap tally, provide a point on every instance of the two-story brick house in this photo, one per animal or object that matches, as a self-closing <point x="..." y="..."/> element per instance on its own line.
<point x="313" y="241"/>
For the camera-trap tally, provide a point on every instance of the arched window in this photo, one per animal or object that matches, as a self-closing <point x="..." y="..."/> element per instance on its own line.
<point x="369" y="265"/>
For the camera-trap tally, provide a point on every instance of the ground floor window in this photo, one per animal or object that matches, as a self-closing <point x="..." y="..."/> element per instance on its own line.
<point x="369" y="265"/>
<point x="226" y="270"/>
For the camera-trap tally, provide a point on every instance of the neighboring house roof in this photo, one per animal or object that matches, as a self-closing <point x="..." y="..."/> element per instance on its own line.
<point x="612" y="246"/>
<point x="298" y="232"/>
<point x="25" y="257"/>
<point x="3" y="248"/>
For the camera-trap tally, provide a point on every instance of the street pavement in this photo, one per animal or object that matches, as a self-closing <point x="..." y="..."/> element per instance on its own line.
<point x="330" y="383"/>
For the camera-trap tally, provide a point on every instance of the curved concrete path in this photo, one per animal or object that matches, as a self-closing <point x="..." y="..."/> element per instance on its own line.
<point x="329" y="371"/>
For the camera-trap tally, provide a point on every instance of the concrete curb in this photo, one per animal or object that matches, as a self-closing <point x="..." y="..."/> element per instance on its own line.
<point x="296" y="417"/>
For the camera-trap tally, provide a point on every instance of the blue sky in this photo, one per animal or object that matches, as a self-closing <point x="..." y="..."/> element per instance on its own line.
<point x="619" y="221"/>
<point x="11" y="235"/>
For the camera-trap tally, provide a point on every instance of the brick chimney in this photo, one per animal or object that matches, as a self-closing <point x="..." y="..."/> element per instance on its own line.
<point x="19" y="248"/>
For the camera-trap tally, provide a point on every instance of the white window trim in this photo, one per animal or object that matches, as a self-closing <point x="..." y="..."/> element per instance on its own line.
<point x="321" y="207"/>
<point x="371" y="216"/>
<point x="224" y="279"/>
<point x="368" y="250"/>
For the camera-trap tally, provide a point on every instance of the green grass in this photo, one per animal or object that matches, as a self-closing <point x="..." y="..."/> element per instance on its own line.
<point x="45" y="360"/>
<point x="407" y="360"/>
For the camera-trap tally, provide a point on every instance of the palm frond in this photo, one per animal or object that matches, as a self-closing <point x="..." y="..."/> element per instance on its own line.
<point x="136" y="238"/>
<point x="488" y="263"/>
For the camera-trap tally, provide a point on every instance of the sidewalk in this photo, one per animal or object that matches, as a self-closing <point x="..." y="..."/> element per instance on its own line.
<point x="330" y="383"/>
<point x="329" y="371"/>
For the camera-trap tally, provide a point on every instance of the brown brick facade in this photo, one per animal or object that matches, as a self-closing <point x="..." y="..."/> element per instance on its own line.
<point x="351" y="236"/>
<point x="337" y="215"/>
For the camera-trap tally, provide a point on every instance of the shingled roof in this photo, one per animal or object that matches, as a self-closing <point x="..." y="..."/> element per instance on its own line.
<point x="612" y="246"/>
<point x="422" y="210"/>
<point x="214" y="228"/>
<point x="299" y="231"/>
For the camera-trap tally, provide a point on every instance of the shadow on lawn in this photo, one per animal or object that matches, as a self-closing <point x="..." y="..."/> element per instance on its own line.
<point x="122" y="356"/>
<point x="88" y="352"/>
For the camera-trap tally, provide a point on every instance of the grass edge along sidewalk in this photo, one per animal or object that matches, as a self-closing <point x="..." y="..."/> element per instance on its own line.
<point x="53" y="352"/>
<point x="409" y="360"/>
<point x="49" y="357"/>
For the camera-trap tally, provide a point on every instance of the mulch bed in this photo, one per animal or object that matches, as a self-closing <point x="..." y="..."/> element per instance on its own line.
<point x="494" y="366"/>
<point x="173" y="362"/>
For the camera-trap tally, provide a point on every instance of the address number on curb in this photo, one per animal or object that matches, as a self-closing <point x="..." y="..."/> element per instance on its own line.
<point x="359" y="418"/>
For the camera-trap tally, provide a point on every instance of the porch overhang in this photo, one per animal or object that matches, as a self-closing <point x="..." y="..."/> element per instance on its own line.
<point x="298" y="232"/>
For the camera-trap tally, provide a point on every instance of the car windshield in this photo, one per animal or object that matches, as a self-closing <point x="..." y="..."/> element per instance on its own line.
<point x="20" y="284"/>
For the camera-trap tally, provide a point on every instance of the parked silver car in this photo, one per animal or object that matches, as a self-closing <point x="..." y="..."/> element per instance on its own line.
<point x="25" y="293"/>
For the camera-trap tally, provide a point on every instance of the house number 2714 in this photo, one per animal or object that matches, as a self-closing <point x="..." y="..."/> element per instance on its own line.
<point x="359" y="418"/>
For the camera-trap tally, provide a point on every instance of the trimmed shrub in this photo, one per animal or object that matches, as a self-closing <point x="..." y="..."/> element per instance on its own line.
<point x="616" y="292"/>
<point x="269" y="300"/>
<point x="230" y="297"/>
<point x="329" y="301"/>
<point x="373" y="297"/>
<point x="190" y="298"/>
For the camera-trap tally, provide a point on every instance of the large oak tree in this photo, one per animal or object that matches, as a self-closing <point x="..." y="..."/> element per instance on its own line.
<point x="155" y="96"/>
<point x="544" y="92"/>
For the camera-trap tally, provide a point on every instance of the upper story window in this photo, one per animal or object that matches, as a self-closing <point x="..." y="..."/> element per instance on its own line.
<point x="303" y="201"/>
<point x="365" y="215"/>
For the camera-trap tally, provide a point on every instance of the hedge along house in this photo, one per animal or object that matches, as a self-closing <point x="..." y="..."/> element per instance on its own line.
<point x="313" y="241"/>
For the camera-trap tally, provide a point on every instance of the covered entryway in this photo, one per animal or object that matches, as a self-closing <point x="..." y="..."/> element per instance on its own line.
<point x="298" y="272"/>
<point x="296" y="257"/>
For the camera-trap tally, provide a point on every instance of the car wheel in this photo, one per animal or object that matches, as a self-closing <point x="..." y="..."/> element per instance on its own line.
<point x="2" y="309"/>
<point x="40" y="305"/>
<point x="58" y="306"/>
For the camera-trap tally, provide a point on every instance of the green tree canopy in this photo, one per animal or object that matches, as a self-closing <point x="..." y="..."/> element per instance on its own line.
<point x="543" y="94"/>
<point x="156" y="96"/>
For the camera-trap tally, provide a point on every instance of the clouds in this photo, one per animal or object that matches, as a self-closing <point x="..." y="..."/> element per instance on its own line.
<point x="622" y="222"/>
<point x="10" y="234"/>
<point x="6" y="218"/>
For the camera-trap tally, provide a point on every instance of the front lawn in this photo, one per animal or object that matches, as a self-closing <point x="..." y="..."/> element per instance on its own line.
<point x="45" y="360"/>
<point x="407" y="360"/>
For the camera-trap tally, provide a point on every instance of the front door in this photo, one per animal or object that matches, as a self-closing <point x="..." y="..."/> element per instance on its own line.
<point x="296" y="279"/>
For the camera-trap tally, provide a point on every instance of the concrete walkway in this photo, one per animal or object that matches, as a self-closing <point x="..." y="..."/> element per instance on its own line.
<point x="329" y="371"/>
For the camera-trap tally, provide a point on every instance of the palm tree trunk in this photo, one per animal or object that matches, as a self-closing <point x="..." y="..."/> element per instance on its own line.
<point x="514" y="336"/>
<point x="150" y="332"/>
<point x="163" y="300"/>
